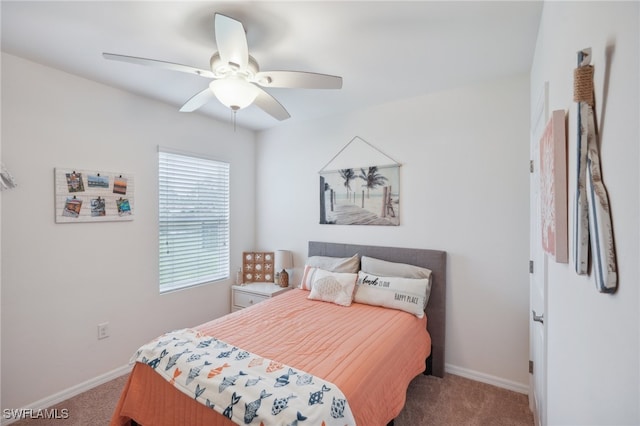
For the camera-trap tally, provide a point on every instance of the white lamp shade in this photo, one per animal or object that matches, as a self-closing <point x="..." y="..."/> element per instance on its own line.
<point x="234" y="92"/>
<point x="283" y="260"/>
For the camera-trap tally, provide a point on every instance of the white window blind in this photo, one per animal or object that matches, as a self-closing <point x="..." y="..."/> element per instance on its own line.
<point x="193" y="220"/>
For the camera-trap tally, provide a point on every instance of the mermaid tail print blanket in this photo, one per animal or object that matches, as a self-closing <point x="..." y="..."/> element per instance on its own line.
<point x="242" y="386"/>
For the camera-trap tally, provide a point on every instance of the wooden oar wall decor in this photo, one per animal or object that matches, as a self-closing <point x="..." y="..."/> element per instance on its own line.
<point x="592" y="215"/>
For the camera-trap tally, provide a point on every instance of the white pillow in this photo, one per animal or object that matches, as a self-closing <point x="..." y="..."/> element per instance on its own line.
<point x="384" y="268"/>
<point x="334" y="287"/>
<point x="336" y="264"/>
<point x="405" y="294"/>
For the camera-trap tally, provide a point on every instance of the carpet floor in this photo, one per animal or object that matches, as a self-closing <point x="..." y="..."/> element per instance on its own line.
<point x="452" y="400"/>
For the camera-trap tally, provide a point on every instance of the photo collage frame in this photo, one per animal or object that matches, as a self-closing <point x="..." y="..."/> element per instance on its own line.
<point x="93" y="196"/>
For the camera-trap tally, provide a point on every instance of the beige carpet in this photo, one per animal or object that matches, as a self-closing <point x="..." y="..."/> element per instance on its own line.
<point x="455" y="400"/>
<point x="431" y="401"/>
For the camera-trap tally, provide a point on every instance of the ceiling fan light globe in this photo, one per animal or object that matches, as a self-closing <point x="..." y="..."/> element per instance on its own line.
<point x="234" y="92"/>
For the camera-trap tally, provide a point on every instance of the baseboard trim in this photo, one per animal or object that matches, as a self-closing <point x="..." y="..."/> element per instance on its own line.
<point x="487" y="378"/>
<point x="73" y="391"/>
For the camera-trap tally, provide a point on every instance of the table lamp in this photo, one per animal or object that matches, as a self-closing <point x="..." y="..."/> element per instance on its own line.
<point x="283" y="261"/>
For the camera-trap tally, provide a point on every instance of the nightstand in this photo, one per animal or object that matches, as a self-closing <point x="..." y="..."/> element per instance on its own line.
<point x="243" y="296"/>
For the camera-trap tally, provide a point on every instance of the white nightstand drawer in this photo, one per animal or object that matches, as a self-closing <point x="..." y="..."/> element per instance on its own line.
<point x="245" y="300"/>
<point x="243" y="296"/>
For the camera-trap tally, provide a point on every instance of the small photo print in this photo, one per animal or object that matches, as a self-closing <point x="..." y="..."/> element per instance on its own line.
<point x="74" y="182"/>
<point x="120" y="185"/>
<point x="72" y="207"/>
<point x="124" y="208"/>
<point x="97" y="181"/>
<point x="98" y="207"/>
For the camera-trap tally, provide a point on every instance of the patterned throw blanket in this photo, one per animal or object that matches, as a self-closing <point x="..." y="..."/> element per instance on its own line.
<point x="244" y="387"/>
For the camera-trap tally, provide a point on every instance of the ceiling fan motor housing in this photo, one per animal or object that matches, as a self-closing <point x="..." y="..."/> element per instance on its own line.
<point x="225" y="69"/>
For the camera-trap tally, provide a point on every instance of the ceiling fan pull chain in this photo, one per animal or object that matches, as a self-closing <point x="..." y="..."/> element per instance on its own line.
<point x="234" y="119"/>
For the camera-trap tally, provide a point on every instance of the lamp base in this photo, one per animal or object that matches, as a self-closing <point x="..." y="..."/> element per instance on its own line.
<point x="284" y="279"/>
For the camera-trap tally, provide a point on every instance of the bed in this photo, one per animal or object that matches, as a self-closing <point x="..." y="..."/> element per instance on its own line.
<point x="368" y="353"/>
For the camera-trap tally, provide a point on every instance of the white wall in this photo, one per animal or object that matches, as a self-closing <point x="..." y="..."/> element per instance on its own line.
<point x="593" y="339"/>
<point x="464" y="189"/>
<point x="0" y="240"/>
<point x="60" y="280"/>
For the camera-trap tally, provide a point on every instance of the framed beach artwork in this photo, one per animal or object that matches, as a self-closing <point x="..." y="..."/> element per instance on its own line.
<point x="359" y="186"/>
<point x="553" y="188"/>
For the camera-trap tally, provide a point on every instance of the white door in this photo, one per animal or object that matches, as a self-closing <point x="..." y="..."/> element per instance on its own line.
<point x="538" y="275"/>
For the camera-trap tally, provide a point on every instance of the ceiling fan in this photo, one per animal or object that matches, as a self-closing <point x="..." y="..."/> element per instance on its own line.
<point x="236" y="77"/>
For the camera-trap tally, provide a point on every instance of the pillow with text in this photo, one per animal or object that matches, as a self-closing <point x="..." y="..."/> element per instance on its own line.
<point x="405" y="294"/>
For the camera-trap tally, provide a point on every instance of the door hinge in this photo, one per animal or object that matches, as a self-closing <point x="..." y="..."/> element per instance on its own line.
<point x="530" y="367"/>
<point x="531" y="266"/>
<point x="530" y="166"/>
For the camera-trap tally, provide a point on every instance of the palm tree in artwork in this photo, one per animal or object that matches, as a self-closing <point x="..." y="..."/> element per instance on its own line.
<point x="348" y="175"/>
<point x="372" y="178"/>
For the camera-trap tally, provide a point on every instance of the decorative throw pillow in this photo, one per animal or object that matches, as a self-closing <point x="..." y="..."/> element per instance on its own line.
<point x="334" y="287"/>
<point x="383" y="268"/>
<point x="336" y="264"/>
<point x="307" y="277"/>
<point x="405" y="294"/>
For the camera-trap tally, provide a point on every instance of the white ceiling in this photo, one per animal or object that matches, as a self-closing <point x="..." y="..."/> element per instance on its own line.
<point x="383" y="50"/>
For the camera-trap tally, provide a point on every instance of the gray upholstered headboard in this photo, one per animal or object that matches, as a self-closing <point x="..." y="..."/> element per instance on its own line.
<point x="435" y="260"/>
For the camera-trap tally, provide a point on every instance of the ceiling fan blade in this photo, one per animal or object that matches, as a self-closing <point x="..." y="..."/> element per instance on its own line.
<point x="198" y="100"/>
<point x="159" y="64"/>
<point x="231" y="40"/>
<point x="270" y="105"/>
<point x="298" y="80"/>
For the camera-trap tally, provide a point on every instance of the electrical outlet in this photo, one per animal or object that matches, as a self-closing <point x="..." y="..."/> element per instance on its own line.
<point x="103" y="330"/>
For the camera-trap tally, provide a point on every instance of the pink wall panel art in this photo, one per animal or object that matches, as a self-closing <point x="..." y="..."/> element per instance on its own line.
<point x="553" y="188"/>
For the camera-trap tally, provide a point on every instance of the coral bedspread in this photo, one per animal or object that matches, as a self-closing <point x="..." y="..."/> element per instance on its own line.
<point x="370" y="353"/>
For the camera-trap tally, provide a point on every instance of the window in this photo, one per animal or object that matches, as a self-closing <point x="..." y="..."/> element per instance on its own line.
<point x="193" y="204"/>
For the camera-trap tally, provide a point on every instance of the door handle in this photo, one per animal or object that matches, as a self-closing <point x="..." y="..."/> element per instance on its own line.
<point x="537" y="318"/>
